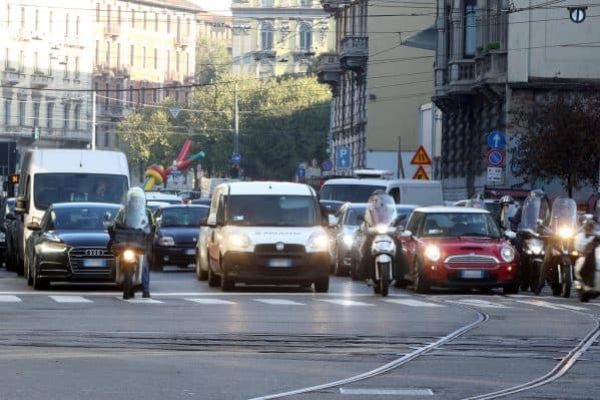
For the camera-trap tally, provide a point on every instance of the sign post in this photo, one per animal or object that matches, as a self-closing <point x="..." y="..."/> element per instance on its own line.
<point x="495" y="158"/>
<point x="343" y="160"/>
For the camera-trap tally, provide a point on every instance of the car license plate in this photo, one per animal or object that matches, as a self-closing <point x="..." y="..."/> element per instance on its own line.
<point x="190" y="252"/>
<point x="280" y="262"/>
<point x="91" y="263"/>
<point x="471" y="274"/>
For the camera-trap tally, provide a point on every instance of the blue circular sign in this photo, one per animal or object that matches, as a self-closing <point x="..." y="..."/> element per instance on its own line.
<point x="236" y="158"/>
<point x="300" y="172"/>
<point x="496" y="140"/>
<point x="495" y="158"/>
<point x="327" y="165"/>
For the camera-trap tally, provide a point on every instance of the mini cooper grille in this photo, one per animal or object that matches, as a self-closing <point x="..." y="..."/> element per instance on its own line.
<point x="471" y="259"/>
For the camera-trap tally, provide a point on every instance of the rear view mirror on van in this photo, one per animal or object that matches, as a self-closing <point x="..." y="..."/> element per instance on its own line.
<point x="21" y="205"/>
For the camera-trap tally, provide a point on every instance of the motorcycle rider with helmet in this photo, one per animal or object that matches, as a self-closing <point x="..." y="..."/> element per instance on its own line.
<point x="586" y="243"/>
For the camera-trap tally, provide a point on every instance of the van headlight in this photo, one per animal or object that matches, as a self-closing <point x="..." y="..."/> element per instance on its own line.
<point x="51" y="248"/>
<point x="433" y="253"/>
<point x="507" y="253"/>
<point x="239" y="241"/>
<point x="129" y="256"/>
<point x="348" y="240"/>
<point x="319" y="242"/>
<point x="166" y="241"/>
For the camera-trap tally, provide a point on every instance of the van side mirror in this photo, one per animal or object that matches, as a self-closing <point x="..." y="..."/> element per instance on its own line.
<point x="21" y="206"/>
<point x="33" y="226"/>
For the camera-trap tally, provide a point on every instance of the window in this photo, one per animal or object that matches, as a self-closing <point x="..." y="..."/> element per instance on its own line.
<point x="155" y="22"/>
<point x="21" y="112"/>
<point x="50" y="64"/>
<point x="266" y="36"/>
<point x="76" y="116"/>
<point x="178" y="27"/>
<point x="50" y="21"/>
<point x="155" y="58"/>
<point x="118" y="55"/>
<point x="106" y="93"/>
<point x="131" y="93"/>
<point x="22" y="17"/>
<point x="145" y="19"/>
<point x="108" y="53"/>
<point x="154" y="95"/>
<point x="118" y="16"/>
<point x="36" y="64"/>
<point x="97" y="12"/>
<point x="188" y="27"/>
<point x="21" y="61"/>
<point x="77" y="26"/>
<point x="144" y="56"/>
<point x="169" y="23"/>
<point x="187" y="64"/>
<point x="36" y="114"/>
<point x="177" y="61"/>
<point x="132" y="55"/>
<point x="67" y="112"/>
<point x="97" y="57"/>
<point x="143" y="95"/>
<point x="67" y="25"/>
<point x="305" y="36"/>
<point x="66" y="76"/>
<point x="267" y="3"/>
<point x="7" y="59"/>
<point x="7" y="112"/>
<point x="37" y="20"/>
<point x="77" y="68"/>
<point x="49" y="115"/>
<point x="306" y="3"/>
<point x="133" y="18"/>
<point x="118" y="93"/>
<point x="470" y="34"/>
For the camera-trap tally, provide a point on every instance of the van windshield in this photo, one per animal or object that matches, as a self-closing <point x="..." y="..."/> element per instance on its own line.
<point x="272" y="210"/>
<point x="72" y="187"/>
<point x="349" y="192"/>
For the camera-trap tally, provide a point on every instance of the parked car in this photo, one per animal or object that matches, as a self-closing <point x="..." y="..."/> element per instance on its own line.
<point x="154" y="205"/>
<point x="175" y="239"/>
<point x="349" y="218"/>
<point x="458" y="247"/>
<point x="7" y="218"/>
<point x="70" y="244"/>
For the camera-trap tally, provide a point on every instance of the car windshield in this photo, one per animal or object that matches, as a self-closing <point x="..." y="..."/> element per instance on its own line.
<point x="80" y="218"/>
<point x="273" y="210"/>
<point x="349" y="192"/>
<point x="183" y="216"/>
<point x="493" y="208"/>
<point x="50" y="188"/>
<point x="459" y="224"/>
<point x="353" y="215"/>
<point x="403" y="212"/>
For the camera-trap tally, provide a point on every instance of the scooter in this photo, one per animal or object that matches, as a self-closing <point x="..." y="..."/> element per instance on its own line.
<point x="587" y="269"/>
<point x="128" y="247"/>
<point x="532" y="258"/>
<point x="560" y="274"/>
<point x="383" y="251"/>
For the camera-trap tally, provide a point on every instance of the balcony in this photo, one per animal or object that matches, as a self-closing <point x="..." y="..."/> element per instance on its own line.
<point x="491" y="68"/>
<point x="462" y="76"/>
<point x="101" y="69"/>
<point x="110" y="111"/>
<point x="354" y="52"/>
<point x="332" y="6"/>
<point x="328" y="69"/>
<point x="112" y="30"/>
<point x="11" y="76"/>
<point x="74" y="42"/>
<point x="182" y="41"/>
<point x="40" y="80"/>
<point x="264" y="54"/>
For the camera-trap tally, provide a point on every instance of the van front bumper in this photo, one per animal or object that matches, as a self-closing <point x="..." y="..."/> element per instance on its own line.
<point x="256" y="269"/>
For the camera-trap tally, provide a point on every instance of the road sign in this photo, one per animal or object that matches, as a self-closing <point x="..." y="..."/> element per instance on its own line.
<point x="421" y="158"/>
<point x="495" y="158"/>
<point x="343" y="157"/>
<point x="301" y="171"/>
<point x="496" y="140"/>
<point x="495" y="175"/>
<point x="577" y="14"/>
<point x="421" y="174"/>
<point x="174" y="111"/>
<point x="236" y="158"/>
<point x="327" y="165"/>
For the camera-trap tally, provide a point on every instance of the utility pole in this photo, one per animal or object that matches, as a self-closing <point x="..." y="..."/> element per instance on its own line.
<point x="236" y="139"/>
<point x="93" y="120"/>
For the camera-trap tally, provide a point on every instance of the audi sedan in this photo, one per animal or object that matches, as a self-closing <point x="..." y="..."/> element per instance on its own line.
<point x="458" y="247"/>
<point x="70" y="244"/>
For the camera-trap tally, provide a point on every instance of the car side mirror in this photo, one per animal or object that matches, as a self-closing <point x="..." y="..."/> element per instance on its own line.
<point x="406" y="234"/>
<point x="510" y="234"/>
<point x="33" y="226"/>
<point x="21" y="206"/>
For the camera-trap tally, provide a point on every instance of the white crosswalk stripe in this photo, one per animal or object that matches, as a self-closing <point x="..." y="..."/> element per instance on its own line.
<point x="70" y="299"/>
<point x="210" y="301"/>
<point x="279" y="302"/>
<point x="9" y="298"/>
<point x="141" y="301"/>
<point x="412" y="303"/>
<point x="478" y="303"/>
<point x="540" y="303"/>
<point x="347" y="303"/>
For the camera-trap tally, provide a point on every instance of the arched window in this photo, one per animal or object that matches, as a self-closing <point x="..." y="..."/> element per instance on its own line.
<point x="305" y="36"/>
<point x="470" y="24"/>
<point x="266" y="36"/>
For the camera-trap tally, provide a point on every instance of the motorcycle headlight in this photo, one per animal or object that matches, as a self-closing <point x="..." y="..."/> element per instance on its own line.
<point x="565" y="232"/>
<point x="507" y="253"/>
<point x="381" y="229"/>
<point x="536" y="249"/>
<point x="348" y="240"/>
<point x="166" y="241"/>
<point x="239" y="241"/>
<point x="432" y="253"/>
<point x="129" y="256"/>
<point x="319" y="242"/>
<point x="383" y="246"/>
<point x="51" y="248"/>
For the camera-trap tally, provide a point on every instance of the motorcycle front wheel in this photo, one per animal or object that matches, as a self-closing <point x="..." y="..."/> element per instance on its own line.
<point x="566" y="281"/>
<point x="384" y="279"/>
<point x="128" y="289"/>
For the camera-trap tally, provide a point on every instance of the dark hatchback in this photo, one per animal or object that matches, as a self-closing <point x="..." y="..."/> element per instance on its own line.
<point x="176" y="235"/>
<point x="70" y="244"/>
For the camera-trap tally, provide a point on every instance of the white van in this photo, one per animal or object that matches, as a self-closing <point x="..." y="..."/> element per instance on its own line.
<point x="266" y="232"/>
<point x="65" y="175"/>
<point x="404" y="191"/>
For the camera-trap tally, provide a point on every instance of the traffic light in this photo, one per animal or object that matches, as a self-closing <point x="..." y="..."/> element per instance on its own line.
<point x="14" y="179"/>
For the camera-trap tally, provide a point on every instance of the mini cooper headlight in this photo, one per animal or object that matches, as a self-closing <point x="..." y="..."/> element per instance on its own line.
<point x="432" y="253"/>
<point x="507" y="253"/>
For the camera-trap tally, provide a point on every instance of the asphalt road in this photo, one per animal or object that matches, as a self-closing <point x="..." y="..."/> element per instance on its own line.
<point x="194" y="342"/>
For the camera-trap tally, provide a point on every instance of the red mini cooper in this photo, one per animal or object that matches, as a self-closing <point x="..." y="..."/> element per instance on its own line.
<point x="458" y="247"/>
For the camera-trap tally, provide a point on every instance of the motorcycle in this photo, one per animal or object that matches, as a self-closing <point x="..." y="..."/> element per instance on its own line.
<point x="561" y="239"/>
<point x="587" y="266"/>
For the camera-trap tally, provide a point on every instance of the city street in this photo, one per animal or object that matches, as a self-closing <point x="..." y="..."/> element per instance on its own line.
<point x="194" y="342"/>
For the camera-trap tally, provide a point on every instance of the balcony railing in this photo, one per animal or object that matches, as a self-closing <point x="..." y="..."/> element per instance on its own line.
<point x="331" y="6"/>
<point x="110" y="111"/>
<point x="491" y="67"/>
<point x="328" y="68"/>
<point x="40" y="80"/>
<point x="462" y="75"/>
<point x="11" y="76"/>
<point x="354" y="52"/>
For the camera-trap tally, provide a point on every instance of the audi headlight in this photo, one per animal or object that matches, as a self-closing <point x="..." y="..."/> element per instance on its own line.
<point x="51" y="248"/>
<point x="432" y="253"/>
<point x="318" y="242"/>
<point x="239" y="241"/>
<point x="166" y="241"/>
<point x="565" y="232"/>
<point x="348" y="240"/>
<point x="507" y="253"/>
<point x="129" y="256"/>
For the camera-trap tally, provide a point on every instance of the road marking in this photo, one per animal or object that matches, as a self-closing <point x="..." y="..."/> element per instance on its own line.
<point x="389" y="392"/>
<point x="9" y="299"/>
<point x="70" y="299"/>
<point x="279" y="302"/>
<point x="347" y="303"/>
<point x="540" y="303"/>
<point x="478" y="303"/>
<point x="112" y="293"/>
<point x="412" y="303"/>
<point x="570" y="307"/>
<point x="210" y="301"/>
<point x="141" y="301"/>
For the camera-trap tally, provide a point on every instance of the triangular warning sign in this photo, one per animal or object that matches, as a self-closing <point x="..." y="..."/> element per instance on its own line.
<point x="421" y="174"/>
<point x="421" y="157"/>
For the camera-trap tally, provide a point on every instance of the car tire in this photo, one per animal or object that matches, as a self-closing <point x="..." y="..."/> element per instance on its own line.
<point x="213" y="279"/>
<point x="227" y="284"/>
<point x="200" y="273"/>
<point x="322" y="285"/>
<point x="420" y="283"/>
<point x="38" y="283"/>
<point x="511" y="288"/>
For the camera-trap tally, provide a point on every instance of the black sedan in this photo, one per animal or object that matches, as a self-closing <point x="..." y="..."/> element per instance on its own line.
<point x="69" y="244"/>
<point x="176" y="236"/>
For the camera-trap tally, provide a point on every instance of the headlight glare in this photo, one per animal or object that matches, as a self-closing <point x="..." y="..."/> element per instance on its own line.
<point x="239" y="240"/>
<point x="565" y="232"/>
<point x="348" y="239"/>
<point x="432" y="253"/>
<point x="507" y="253"/>
<point x="129" y="256"/>
<point x="319" y="242"/>
<point x="166" y="241"/>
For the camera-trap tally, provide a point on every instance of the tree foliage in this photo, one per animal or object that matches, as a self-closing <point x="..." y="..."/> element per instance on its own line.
<point x="558" y="139"/>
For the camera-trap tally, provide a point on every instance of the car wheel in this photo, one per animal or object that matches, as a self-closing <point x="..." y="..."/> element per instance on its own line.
<point x="227" y="284"/>
<point x="322" y="285"/>
<point x="200" y="273"/>
<point x="511" y="288"/>
<point x="38" y="283"/>
<point x="213" y="279"/>
<point x="421" y="285"/>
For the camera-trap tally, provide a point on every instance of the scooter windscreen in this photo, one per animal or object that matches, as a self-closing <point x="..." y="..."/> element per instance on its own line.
<point x="381" y="211"/>
<point x="564" y="217"/>
<point x="135" y="213"/>
<point x="530" y="214"/>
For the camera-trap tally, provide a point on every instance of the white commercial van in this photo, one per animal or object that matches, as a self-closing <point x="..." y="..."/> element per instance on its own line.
<point x="404" y="191"/>
<point x="51" y="176"/>
<point x="266" y="233"/>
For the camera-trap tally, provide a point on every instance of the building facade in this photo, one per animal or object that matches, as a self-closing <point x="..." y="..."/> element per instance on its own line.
<point x="45" y="60"/>
<point x="144" y="52"/>
<point x="379" y="84"/>
<point x="275" y="37"/>
<point x="494" y="58"/>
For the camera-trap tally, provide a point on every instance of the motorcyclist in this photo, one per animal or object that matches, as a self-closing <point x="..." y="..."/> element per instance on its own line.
<point x="135" y="215"/>
<point x="508" y="208"/>
<point x="585" y="265"/>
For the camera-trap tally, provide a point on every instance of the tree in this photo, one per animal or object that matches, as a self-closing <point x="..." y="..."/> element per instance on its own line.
<point x="558" y="139"/>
